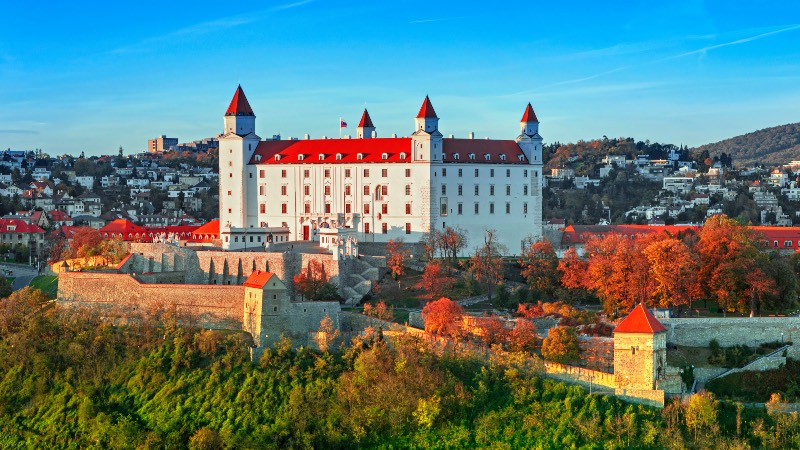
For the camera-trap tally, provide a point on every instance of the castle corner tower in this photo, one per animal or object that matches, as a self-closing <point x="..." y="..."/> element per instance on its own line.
<point x="426" y="139"/>
<point x="365" y="128"/>
<point x="237" y="143"/>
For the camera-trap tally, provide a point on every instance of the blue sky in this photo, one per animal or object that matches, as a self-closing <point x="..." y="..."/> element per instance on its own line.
<point x="93" y="76"/>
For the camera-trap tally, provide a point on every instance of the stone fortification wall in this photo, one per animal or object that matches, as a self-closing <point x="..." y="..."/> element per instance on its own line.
<point x="161" y="277"/>
<point x="579" y="375"/>
<point x="649" y="397"/>
<point x="379" y="248"/>
<point x="120" y="296"/>
<point x="732" y="331"/>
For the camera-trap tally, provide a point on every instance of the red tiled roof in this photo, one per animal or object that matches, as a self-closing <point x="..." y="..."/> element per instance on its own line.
<point x="372" y="151"/>
<point x="258" y="279"/>
<point x="69" y="231"/>
<point x="19" y="225"/>
<point x="574" y="234"/>
<point x="529" y="115"/>
<point x="365" y="120"/>
<point x="210" y="229"/>
<point x="427" y="111"/>
<point x="482" y="147"/>
<point x="129" y="231"/>
<point x="58" y="215"/>
<point x="640" y="320"/>
<point x="239" y="105"/>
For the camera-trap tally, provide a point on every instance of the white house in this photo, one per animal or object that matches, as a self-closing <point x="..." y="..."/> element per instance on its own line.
<point x="383" y="188"/>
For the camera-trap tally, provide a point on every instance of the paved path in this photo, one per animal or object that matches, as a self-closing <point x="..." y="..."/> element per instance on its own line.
<point x="23" y="273"/>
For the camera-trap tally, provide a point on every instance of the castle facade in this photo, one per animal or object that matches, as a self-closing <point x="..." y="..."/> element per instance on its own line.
<point x="382" y="188"/>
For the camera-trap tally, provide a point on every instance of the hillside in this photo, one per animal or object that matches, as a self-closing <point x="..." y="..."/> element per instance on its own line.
<point x="770" y="146"/>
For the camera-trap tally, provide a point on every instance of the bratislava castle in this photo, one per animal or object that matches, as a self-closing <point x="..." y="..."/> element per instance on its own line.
<point x="380" y="188"/>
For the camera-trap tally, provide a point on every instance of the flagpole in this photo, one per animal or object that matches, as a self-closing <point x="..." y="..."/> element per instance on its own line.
<point x="340" y="127"/>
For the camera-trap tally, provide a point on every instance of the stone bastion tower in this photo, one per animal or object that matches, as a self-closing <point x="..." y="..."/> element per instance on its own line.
<point x="640" y="351"/>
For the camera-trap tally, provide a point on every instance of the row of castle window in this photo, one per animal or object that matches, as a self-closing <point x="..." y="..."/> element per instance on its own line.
<point x="385" y="173"/>
<point x="384" y="190"/>
<point x="460" y="208"/>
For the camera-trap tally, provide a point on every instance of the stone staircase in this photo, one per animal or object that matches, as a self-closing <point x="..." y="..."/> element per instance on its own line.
<point x="360" y="283"/>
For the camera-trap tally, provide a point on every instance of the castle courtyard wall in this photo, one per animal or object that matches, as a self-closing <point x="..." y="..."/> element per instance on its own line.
<point x="749" y="331"/>
<point x="121" y="296"/>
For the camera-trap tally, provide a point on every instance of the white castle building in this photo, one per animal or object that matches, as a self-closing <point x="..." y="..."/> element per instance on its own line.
<point x="381" y="188"/>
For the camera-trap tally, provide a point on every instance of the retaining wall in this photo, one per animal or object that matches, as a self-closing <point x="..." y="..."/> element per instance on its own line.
<point x="579" y="375"/>
<point x="121" y="297"/>
<point x="750" y="331"/>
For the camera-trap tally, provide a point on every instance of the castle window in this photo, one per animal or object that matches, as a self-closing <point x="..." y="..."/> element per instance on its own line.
<point x="487" y="156"/>
<point x="384" y="190"/>
<point x="525" y="173"/>
<point x="460" y="172"/>
<point x="283" y="190"/>
<point x="508" y="208"/>
<point x="306" y="190"/>
<point x="460" y="189"/>
<point x="491" y="189"/>
<point x="477" y="208"/>
<point x="338" y="156"/>
<point x="283" y="208"/>
<point x="366" y="210"/>
<point x="491" y="208"/>
<point x="508" y="190"/>
<point x="456" y="155"/>
<point x="321" y="156"/>
<point x="277" y="157"/>
<point x="476" y="173"/>
<point x="408" y="189"/>
<point x="472" y="156"/>
<point x="261" y="173"/>
<point x="347" y="173"/>
<point x="444" y="189"/>
<point x="327" y="190"/>
<point x="258" y="158"/>
<point x="403" y="155"/>
<point x="263" y="208"/>
<point x="521" y="157"/>
<point x="408" y="173"/>
<point x="384" y="228"/>
<point x="300" y="157"/>
<point x="444" y="171"/>
<point x="491" y="173"/>
<point x="327" y="208"/>
<point x="274" y="308"/>
<point x="524" y="208"/>
<point x="366" y="189"/>
<point x="460" y="208"/>
<point x="408" y="208"/>
<point x="502" y="157"/>
<point x="283" y="172"/>
<point x="347" y="208"/>
<point x="307" y="208"/>
<point x="305" y="173"/>
<point x="327" y="173"/>
<point x="360" y="156"/>
<point x="508" y="172"/>
<point x="385" y="208"/>
<point x="384" y="173"/>
<point x="633" y="350"/>
<point x="366" y="173"/>
<point x="408" y="228"/>
<point x="347" y="189"/>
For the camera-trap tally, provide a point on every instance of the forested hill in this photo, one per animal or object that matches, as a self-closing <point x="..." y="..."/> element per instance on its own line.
<point x="770" y="146"/>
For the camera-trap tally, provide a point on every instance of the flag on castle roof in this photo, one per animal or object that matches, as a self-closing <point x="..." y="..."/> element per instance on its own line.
<point x="640" y="320"/>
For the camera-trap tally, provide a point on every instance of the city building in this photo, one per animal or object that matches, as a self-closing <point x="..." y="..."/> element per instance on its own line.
<point x="161" y="143"/>
<point x="383" y="188"/>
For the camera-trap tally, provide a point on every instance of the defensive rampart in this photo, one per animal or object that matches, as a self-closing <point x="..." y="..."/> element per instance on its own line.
<point x="750" y="331"/>
<point x="121" y="296"/>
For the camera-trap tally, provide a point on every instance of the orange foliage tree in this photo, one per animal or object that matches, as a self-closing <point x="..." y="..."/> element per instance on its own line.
<point x="434" y="279"/>
<point x="540" y="266"/>
<point x="523" y="337"/>
<point x="311" y="280"/>
<point x="492" y="330"/>
<point x="573" y="270"/>
<point x="673" y="269"/>
<point x="443" y="317"/>
<point x="397" y="254"/>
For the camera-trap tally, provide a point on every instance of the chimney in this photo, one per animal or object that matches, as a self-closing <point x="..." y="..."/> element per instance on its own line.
<point x="306" y="136"/>
<point x="374" y="134"/>
<point x="451" y="136"/>
<point x="394" y="135"/>
<point x="472" y="135"/>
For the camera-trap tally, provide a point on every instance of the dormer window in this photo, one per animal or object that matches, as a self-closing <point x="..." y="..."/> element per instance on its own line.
<point x="338" y="156"/>
<point x="300" y="157"/>
<point x="385" y="156"/>
<point x="360" y="156"/>
<point x="487" y="156"/>
<point x="403" y="155"/>
<point x="258" y="158"/>
<point x="502" y="157"/>
<point x="521" y="157"/>
<point x="472" y="156"/>
<point x="321" y="156"/>
<point x="456" y="156"/>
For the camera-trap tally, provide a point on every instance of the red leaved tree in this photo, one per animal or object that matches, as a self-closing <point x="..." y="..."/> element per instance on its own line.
<point x="443" y="317"/>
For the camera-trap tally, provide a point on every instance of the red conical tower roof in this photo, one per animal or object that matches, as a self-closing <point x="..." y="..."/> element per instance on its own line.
<point x="365" y="120"/>
<point x="640" y="320"/>
<point x="239" y="105"/>
<point x="529" y="115"/>
<point x="426" y="111"/>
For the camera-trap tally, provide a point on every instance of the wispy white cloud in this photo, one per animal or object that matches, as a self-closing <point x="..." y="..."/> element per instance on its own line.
<point x="740" y="41"/>
<point x="211" y="26"/>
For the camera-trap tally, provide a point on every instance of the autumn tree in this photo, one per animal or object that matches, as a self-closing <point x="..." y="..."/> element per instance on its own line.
<point x="434" y="279"/>
<point x="673" y="269"/>
<point x="451" y="241"/>
<point x="15" y="308"/>
<point x="616" y="272"/>
<point x="492" y="330"/>
<point x="487" y="262"/>
<point x="443" y="317"/>
<point x="573" y="270"/>
<point x="430" y="244"/>
<point x="85" y="242"/>
<point x="561" y="345"/>
<point x="326" y="334"/>
<point x="397" y="255"/>
<point x="310" y="281"/>
<point x="523" y="337"/>
<point x="701" y="413"/>
<point x="540" y="267"/>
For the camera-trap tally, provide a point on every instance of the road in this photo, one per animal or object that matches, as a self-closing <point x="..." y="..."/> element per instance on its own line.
<point x="23" y="273"/>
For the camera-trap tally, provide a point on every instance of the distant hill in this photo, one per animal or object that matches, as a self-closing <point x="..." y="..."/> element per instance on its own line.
<point x="770" y="146"/>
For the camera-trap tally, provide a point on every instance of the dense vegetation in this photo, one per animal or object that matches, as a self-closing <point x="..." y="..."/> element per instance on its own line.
<point x="71" y="381"/>
<point x="771" y="146"/>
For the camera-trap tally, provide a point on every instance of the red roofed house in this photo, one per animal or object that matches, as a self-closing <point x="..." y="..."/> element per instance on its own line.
<point x="382" y="188"/>
<point x="19" y="232"/>
<point x="269" y="313"/>
<point x="640" y="351"/>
